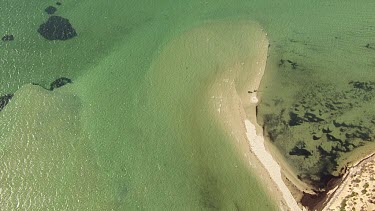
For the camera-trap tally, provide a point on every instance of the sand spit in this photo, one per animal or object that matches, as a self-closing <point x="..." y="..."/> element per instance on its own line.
<point x="234" y="97"/>
<point x="357" y="190"/>
<point x="272" y="167"/>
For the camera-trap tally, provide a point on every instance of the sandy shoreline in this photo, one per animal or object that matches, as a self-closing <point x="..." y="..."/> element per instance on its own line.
<point x="255" y="138"/>
<point x="234" y="96"/>
<point x="272" y="167"/>
<point x="256" y="141"/>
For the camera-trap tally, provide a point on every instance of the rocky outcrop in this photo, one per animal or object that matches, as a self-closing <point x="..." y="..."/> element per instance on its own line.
<point x="57" y="28"/>
<point x="8" y="37"/>
<point x="50" y="10"/>
<point x="4" y="100"/>
<point x="59" y="83"/>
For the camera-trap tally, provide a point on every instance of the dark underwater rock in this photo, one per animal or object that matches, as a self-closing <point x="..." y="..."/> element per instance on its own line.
<point x="294" y="65"/>
<point x="57" y="28"/>
<point x="369" y="46"/>
<point x="60" y="82"/>
<point x="364" y="135"/>
<point x="326" y="130"/>
<point x="366" y="86"/>
<point x="343" y="124"/>
<point x="50" y="10"/>
<point x="300" y="150"/>
<point x="58" y="3"/>
<point x="282" y="62"/>
<point x="295" y="119"/>
<point x="312" y="117"/>
<point x="315" y="137"/>
<point x="8" y="37"/>
<point x="333" y="138"/>
<point x="4" y="100"/>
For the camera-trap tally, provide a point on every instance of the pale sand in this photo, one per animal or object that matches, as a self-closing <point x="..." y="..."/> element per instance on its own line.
<point x="273" y="168"/>
<point x="236" y="54"/>
<point x="235" y="107"/>
<point x="357" y="191"/>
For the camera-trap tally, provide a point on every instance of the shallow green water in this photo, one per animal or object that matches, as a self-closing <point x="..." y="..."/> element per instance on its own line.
<point x="128" y="131"/>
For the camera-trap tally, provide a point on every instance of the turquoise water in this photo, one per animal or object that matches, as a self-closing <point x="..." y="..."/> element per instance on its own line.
<point x="114" y="141"/>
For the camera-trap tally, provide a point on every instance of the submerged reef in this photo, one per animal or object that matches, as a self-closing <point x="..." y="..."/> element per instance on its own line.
<point x="321" y="126"/>
<point x="4" y="100"/>
<point x="57" y="28"/>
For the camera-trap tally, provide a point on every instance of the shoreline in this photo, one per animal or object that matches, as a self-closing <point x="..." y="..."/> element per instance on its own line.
<point x="234" y="98"/>
<point x="337" y="193"/>
<point x="257" y="143"/>
<point x="242" y="105"/>
<point x="273" y="168"/>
